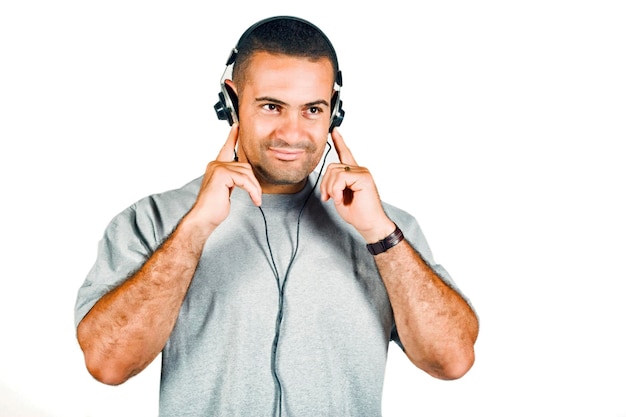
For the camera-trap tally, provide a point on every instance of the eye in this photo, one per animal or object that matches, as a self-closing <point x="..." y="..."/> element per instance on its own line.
<point x="271" y="107"/>
<point x="314" y="111"/>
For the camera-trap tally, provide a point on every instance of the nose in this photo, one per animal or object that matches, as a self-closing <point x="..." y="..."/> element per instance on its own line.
<point x="290" y="128"/>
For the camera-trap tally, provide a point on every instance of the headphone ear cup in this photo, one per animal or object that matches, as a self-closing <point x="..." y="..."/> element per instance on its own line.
<point x="234" y="102"/>
<point x="337" y="112"/>
<point x="221" y="109"/>
<point x="227" y="106"/>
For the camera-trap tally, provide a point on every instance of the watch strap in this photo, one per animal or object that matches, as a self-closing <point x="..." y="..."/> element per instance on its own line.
<point x="387" y="243"/>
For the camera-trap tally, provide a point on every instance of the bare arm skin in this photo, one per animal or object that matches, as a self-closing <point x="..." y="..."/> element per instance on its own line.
<point x="128" y="327"/>
<point x="437" y="327"/>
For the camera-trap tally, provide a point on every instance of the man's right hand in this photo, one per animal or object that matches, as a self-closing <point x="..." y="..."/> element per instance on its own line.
<point x="212" y="205"/>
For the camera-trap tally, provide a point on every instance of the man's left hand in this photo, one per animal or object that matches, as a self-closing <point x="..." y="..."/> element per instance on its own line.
<point x="354" y="192"/>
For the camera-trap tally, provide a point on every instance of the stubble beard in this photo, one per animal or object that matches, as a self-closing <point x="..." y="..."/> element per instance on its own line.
<point x="282" y="176"/>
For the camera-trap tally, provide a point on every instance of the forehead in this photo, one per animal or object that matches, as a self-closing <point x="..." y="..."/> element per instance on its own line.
<point x="285" y="72"/>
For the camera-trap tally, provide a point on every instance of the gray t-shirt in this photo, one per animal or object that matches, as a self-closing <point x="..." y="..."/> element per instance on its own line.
<point x="258" y="330"/>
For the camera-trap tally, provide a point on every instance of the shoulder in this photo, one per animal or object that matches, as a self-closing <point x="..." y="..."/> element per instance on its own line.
<point x="157" y="214"/>
<point x="405" y="220"/>
<point x="182" y="197"/>
<point x="170" y="200"/>
<point x="411" y="229"/>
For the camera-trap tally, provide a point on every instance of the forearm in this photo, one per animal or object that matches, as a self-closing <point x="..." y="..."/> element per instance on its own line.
<point x="436" y="326"/>
<point x="128" y="327"/>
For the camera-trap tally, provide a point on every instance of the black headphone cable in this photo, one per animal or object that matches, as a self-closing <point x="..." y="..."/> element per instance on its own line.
<point x="281" y="287"/>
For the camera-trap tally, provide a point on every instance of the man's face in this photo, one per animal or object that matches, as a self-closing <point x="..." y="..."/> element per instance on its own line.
<point x="284" y="115"/>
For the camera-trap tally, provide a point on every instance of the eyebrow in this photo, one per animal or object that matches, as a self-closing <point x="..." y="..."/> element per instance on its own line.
<point x="282" y="103"/>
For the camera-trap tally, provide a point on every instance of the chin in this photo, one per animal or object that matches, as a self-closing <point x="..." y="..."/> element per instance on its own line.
<point x="283" y="177"/>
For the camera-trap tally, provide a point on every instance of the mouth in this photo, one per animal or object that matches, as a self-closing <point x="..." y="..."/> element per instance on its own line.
<point x="285" y="154"/>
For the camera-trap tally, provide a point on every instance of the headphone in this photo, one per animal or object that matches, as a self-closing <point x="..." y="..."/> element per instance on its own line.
<point x="227" y="106"/>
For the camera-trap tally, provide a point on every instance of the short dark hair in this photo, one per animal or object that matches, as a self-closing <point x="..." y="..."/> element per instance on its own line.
<point x="286" y="36"/>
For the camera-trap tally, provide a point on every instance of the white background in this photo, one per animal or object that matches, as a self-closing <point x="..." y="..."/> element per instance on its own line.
<point x="500" y="125"/>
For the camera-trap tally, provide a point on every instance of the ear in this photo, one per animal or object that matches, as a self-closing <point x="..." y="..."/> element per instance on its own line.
<point x="231" y="85"/>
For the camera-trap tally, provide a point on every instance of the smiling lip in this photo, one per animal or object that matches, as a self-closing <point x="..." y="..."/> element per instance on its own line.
<point x="286" y="154"/>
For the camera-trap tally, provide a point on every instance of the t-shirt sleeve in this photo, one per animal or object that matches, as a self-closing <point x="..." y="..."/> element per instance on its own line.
<point x="127" y="243"/>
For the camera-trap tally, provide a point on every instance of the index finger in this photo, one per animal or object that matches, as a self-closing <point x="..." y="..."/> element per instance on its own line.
<point x="345" y="156"/>
<point x="228" y="150"/>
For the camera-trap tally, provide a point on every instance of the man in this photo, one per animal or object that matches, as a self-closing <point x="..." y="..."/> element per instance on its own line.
<point x="268" y="289"/>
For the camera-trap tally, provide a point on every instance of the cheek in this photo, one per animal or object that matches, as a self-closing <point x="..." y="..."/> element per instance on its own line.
<point x="256" y="126"/>
<point x="322" y="132"/>
<point x="321" y="141"/>
<point x="251" y="131"/>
